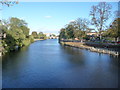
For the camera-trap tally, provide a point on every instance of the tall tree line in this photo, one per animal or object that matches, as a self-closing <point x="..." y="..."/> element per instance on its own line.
<point x="99" y="15"/>
<point x="39" y="35"/>
<point x="75" y="29"/>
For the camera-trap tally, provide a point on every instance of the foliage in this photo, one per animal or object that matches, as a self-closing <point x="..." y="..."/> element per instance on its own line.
<point x="75" y="29"/>
<point x="41" y="35"/>
<point x="17" y="34"/>
<point x="114" y="29"/>
<point x="8" y="2"/>
<point x="63" y="34"/>
<point x="100" y="14"/>
<point x="34" y="34"/>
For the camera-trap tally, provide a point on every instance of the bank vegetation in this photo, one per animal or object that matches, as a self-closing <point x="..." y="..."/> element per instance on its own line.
<point x="100" y="14"/>
<point x="14" y="34"/>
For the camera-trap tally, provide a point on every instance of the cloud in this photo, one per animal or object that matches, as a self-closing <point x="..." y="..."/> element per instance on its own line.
<point x="48" y="16"/>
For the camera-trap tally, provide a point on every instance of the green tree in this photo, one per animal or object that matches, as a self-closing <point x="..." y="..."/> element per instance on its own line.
<point x="63" y="34"/>
<point x="79" y="34"/>
<point x="17" y="22"/>
<point x="70" y="31"/>
<point x="34" y="34"/>
<point x="17" y="34"/>
<point x="25" y="30"/>
<point x="41" y="35"/>
<point x="114" y="30"/>
<point x="75" y="29"/>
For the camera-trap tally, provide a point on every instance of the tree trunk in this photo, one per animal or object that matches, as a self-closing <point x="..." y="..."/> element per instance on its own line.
<point x="115" y="39"/>
<point x="100" y="32"/>
<point x="100" y="36"/>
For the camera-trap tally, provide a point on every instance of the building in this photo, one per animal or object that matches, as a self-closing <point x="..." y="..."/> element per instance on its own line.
<point x="47" y="34"/>
<point x="92" y="33"/>
<point x="51" y="36"/>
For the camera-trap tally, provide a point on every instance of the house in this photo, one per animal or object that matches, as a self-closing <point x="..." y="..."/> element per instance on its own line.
<point x="51" y="35"/>
<point x="92" y="34"/>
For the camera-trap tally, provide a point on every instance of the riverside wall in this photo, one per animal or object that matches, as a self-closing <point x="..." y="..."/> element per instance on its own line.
<point x="92" y="47"/>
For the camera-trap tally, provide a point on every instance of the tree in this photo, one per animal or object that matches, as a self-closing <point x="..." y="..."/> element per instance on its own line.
<point x="25" y="30"/>
<point x="79" y="34"/>
<point x="114" y="30"/>
<point x="82" y="24"/>
<point x="70" y="31"/>
<point x="75" y="29"/>
<point x="34" y="34"/>
<point x="8" y="3"/>
<point x="63" y="34"/>
<point x="117" y="14"/>
<point x="17" y="34"/>
<point x="99" y="15"/>
<point x="82" y="28"/>
<point x="17" y="22"/>
<point x="41" y="35"/>
<point x="53" y="35"/>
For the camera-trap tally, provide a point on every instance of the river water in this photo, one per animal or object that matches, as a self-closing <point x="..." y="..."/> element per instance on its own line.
<point x="47" y="64"/>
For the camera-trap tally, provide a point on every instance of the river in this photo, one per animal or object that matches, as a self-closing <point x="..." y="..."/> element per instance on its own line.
<point x="47" y="64"/>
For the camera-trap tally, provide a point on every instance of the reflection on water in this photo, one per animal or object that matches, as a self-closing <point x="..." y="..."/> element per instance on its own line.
<point x="46" y="64"/>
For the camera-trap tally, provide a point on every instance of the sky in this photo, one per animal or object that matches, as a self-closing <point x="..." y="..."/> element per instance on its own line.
<point x="50" y="17"/>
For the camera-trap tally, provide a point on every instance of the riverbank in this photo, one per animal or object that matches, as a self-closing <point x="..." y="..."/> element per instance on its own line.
<point x="2" y="50"/>
<point x="38" y="39"/>
<point x="0" y="54"/>
<point x="83" y="45"/>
